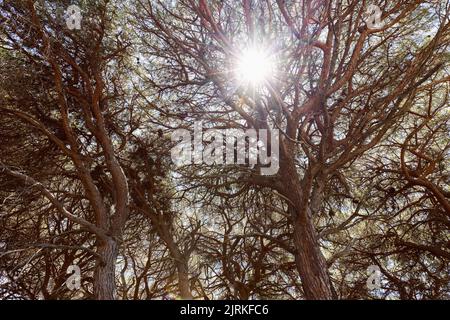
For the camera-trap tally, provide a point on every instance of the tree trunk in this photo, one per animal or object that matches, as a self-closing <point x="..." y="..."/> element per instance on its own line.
<point x="181" y="261"/>
<point x="104" y="274"/>
<point x="310" y="262"/>
<point x="183" y="280"/>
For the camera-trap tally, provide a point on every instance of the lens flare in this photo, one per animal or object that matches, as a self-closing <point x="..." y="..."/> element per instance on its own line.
<point x="254" y="67"/>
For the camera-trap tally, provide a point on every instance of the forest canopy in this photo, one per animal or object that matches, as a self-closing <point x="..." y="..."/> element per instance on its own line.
<point x="223" y="149"/>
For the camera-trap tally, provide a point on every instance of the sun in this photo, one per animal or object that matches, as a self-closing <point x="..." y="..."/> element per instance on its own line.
<point x="254" y="67"/>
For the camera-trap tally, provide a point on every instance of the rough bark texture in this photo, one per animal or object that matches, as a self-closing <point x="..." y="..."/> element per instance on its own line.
<point x="104" y="274"/>
<point x="310" y="262"/>
<point x="309" y="259"/>
<point x="183" y="281"/>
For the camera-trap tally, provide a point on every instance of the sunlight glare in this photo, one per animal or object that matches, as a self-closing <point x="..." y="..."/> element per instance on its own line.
<point x="255" y="67"/>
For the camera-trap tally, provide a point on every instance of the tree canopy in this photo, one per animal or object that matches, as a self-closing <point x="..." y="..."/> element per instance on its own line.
<point x="356" y="92"/>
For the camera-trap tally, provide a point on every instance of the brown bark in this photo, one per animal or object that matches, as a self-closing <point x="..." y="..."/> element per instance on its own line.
<point x="181" y="260"/>
<point x="183" y="280"/>
<point x="309" y="260"/>
<point x="181" y="266"/>
<point x="104" y="274"/>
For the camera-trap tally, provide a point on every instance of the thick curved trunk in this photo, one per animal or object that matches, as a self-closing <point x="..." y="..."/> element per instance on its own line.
<point x="310" y="261"/>
<point x="183" y="280"/>
<point x="104" y="274"/>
